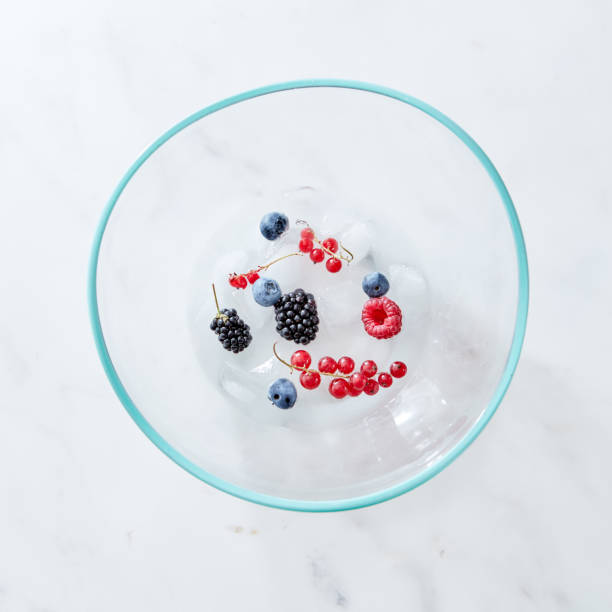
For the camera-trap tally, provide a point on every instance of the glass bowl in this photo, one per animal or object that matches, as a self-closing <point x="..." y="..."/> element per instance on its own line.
<point x="408" y="192"/>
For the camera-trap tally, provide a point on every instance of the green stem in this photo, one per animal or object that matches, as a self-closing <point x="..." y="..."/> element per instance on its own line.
<point x="219" y="315"/>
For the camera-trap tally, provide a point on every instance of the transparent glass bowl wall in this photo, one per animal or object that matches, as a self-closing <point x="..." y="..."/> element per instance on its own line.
<point x="345" y="156"/>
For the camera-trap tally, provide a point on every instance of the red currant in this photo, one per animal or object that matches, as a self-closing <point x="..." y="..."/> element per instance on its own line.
<point x="306" y="245"/>
<point x="317" y="255"/>
<point x="333" y="264"/>
<point x="331" y="244"/>
<point x="339" y="388"/>
<point x="371" y="387"/>
<point x="301" y="359"/>
<point x="385" y="380"/>
<point x="353" y="391"/>
<point x="233" y="280"/>
<point x="369" y="368"/>
<point x="398" y="369"/>
<point x="346" y="365"/>
<point x="327" y="365"/>
<point x="310" y="380"/>
<point x="241" y="282"/>
<point x="252" y="276"/>
<point x="358" y="381"/>
<point x="307" y="233"/>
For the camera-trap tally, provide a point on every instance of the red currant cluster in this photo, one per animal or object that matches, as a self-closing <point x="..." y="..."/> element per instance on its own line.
<point x="329" y="246"/>
<point x="240" y="281"/>
<point x="307" y="245"/>
<point x="345" y="380"/>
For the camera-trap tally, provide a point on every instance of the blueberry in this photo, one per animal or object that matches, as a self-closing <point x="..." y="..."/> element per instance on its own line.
<point x="266" y="291"/>
<point x="375" y="284"/>
<point x="273" y="225"/>
<point x="282" y="393"/>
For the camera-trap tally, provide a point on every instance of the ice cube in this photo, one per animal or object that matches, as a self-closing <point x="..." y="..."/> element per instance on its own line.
<point x="226" y="263"/>
<point x="240" y="385"/>
<point x="410" y="290"/>
<point x="340" y="305"/>
<point x="358" y="240"/>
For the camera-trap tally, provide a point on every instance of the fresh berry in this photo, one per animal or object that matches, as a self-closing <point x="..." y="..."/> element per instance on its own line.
<point x="238" y="281"/>
<point x="371" y="387"/>
<point x="327" y="365"/>
<point x="398" y="369"/>
<point x="273" y="225"/>
<point x="306" y="245"/>
<point x="301" y="359"/>
<point x="339" y="388"/>
<point x="333" y="264"/>
<point x="385" y="380"/>
<point x="307" y="233"/>
<point x="353" y="391"/>
<point x="382" y="318"/>
<point x="317" y="255"/>
<point x="346" y="365"/>
<point x="369" y="368"/>
<point x="375" y="284"/>
<point x="310" y="380"/>
<point x="252" y="276"/>
<point x="282" y="393"/>
<point x="296" y="316"/>
<point x="232" y="331"/>
<point x="266" y="291"/>
<point x="241" y="282"/>
<point x="358" y="381"/>
<point x="331" y="244"/>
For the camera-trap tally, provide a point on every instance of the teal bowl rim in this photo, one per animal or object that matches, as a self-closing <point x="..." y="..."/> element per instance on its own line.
<point x="296" y="504"/>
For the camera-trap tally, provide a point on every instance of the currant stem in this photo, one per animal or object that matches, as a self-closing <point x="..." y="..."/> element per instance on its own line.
<point x="279" y="259"/>
<point x="266" y="266"/>
<point x="346" y="259"/>
<point x="219" y="315"/>
<point x="294" y="367"/>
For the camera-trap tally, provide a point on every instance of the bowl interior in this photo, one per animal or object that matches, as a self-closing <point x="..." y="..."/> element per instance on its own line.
<point x="406" y="196"/>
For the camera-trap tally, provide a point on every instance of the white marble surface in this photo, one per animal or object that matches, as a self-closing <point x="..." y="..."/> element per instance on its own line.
<point x="93" y="517"/>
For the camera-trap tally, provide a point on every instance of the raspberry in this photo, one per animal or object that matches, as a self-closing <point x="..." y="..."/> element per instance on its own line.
<point x="382" y="318"/>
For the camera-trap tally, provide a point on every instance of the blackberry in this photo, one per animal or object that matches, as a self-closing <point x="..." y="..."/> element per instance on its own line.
<point x="233" y="332"/>
<point x="296" y="316"/>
